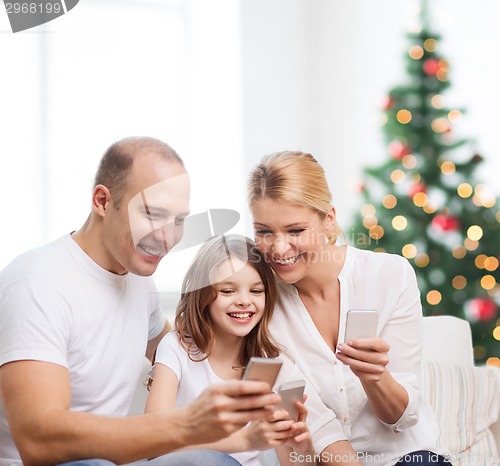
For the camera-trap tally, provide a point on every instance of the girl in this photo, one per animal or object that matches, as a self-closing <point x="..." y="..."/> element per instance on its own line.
<point x="227" y="300"/>
<point x="373" y="390"/>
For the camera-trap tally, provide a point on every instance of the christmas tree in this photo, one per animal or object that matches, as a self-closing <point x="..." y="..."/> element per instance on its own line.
<point x="424" y="203"/>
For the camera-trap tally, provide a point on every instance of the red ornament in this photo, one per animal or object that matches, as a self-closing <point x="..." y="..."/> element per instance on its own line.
<point x="417" y="188"/>
<point x="389" y="102"/>
<point x="431" y="66"/>
<point x="445" y="223"/>
<point x="398" y="150"/>
<point x="482" y="309"/>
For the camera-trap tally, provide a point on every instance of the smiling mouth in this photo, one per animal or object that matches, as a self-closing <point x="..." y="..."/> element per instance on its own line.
<point x="240" y="315"/>
<point x="151" y="251"/>
<point x="289" y="261"/>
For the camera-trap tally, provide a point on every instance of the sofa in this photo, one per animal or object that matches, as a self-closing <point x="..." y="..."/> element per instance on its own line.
<point x="465" y="398"/>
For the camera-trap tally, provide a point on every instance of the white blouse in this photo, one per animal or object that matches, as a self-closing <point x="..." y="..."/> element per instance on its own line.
<point x="368" y="280"/>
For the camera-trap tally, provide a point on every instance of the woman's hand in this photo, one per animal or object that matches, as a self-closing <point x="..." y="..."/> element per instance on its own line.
<point x="268" y="433"/>
<point x="367" y="357"/>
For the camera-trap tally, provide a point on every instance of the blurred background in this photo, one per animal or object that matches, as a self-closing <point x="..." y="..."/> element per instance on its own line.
<point x="224" y="82"/>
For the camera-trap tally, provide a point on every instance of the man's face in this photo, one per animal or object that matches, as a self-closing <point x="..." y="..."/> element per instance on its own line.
<point x="149" y="221"/>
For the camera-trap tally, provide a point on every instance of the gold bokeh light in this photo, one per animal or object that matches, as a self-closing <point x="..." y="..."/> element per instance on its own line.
<point x="448" y="168"/>
<point x="475" y="233"/>
<point x="389" y="201"/>
<point x="398" y="176"/>
<point x="422" y="259"/>
<point x="488" y="282"/>
<point x="399" y="222"/>
<point x="433" y="297"/>
<point x="409" y="251"/>
<point x="459" y="282"/>
<point x="464" y="190"/>
<point x="404" y="116"/>
<point x="416" y="52"/>
<point x="430" y="45"/>
<point x="437" y="101"/>
<point x="420" y="199"/>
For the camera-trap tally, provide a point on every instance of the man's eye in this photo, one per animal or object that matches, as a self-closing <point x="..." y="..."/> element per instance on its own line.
<point x="151" y="216"/>
<point x="180" y="221"/>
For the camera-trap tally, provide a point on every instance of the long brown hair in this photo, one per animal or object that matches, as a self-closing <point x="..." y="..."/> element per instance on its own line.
<point x="295" y="178"/>
<point x="192" y="320"/>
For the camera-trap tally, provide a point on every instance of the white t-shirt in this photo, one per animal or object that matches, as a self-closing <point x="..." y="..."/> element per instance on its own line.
<point x="368" y="280"/>
<point x="57" y="305"/>
<point x="193" y="377"/>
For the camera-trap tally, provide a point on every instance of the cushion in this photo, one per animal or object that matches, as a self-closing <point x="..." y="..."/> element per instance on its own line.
<point x="466" y="402"/>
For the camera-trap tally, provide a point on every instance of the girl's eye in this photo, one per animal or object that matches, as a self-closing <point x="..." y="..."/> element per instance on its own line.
<point x="257" y="291"/>
<point x="226" y="292"/>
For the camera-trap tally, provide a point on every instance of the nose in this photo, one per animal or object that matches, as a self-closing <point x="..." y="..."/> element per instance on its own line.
<point x="165" y="235"/>
<point x="280" y="245"/>
<point x="243" y="299"/>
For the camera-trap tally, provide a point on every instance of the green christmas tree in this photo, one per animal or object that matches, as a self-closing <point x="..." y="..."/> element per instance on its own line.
<point x="424" y="203"/>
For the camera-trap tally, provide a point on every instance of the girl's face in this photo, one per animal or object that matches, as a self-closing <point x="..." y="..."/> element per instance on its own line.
<point x="292" y="238"/>
<point x="240" y="301"/>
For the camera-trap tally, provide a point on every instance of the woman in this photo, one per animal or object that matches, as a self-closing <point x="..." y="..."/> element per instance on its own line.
<point x="372" y="384"/>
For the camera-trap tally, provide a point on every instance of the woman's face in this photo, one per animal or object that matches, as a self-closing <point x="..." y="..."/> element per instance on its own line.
<point x="292" y="238"/>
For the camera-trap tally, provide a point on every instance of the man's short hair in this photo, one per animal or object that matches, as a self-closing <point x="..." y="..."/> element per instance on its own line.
<point x="117" y="162"/>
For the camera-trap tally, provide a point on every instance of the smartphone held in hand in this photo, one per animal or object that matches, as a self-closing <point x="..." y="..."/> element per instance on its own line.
<point x="264" y="369"/>
<point x="361" y="323"/>
<point x="290" y="393"/>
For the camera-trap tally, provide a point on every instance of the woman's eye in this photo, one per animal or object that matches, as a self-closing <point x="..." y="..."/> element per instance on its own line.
<point x="297" y="231"/>
<point x="263" y="232"/>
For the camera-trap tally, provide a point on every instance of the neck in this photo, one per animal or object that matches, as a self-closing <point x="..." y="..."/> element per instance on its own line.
<point x="318" y="281"/>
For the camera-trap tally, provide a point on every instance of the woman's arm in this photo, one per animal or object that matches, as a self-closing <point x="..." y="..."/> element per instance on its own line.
<point x="390" y="375"/>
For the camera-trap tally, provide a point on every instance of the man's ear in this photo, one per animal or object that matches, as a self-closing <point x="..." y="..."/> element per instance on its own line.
<point x="330" y="219"/>
<point x="100" y="200"/>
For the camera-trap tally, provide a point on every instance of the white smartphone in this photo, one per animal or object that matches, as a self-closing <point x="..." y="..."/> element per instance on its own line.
<point x="361" y="323"/>
<point x="265" y="369"/>
<point x="291" y="392"/>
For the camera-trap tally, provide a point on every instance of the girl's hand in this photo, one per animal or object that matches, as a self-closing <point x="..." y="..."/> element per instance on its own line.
<point x="301" y="439"/>
<point x="367" y="357"/>
<point x="268" y="433"/>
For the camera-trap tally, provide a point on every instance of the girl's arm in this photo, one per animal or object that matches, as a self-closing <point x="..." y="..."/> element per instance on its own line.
<point x="163" y="392"/>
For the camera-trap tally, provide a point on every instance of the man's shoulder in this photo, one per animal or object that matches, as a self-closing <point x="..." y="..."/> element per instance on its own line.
<point x="35" y="263"/>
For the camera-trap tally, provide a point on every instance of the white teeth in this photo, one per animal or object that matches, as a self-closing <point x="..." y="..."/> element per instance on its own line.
<point x="152" y="251"/>
<point x="242" y="315"/>
<point x="288" y="261"/>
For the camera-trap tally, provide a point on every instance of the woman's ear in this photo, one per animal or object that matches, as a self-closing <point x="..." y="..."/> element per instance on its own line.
<point x="100" y="199"/>
<point x="330" y="219"/>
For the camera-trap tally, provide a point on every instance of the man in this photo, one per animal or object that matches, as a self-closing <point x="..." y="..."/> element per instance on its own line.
<point x="77" y="317"/>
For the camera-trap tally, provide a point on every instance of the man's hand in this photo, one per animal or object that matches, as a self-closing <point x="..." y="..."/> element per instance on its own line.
<point x="224" y="408"/>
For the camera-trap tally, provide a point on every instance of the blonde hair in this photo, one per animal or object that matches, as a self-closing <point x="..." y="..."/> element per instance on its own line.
<point x="295" y="178"/>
